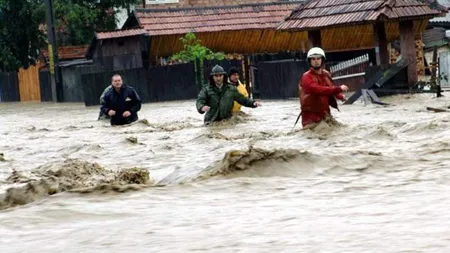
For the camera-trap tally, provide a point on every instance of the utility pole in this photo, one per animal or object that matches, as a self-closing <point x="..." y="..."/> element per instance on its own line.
<point x="52" y="48"/>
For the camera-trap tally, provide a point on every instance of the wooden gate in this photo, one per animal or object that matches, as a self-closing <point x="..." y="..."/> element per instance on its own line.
<point x="29" y="84"/>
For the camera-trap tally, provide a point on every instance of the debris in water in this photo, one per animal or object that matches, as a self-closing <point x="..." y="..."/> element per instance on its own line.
<point x="168" y="147"/>
<point x="215" y="135"/>
<point x="437" y="109"/>
<point x="132" y="139"/>
<point x="73" y="176"/>
<point x="2" y="157"/>
<point x="369" y="153"/>
<point x="145" y="122"/>
<point x="133" y="176"/>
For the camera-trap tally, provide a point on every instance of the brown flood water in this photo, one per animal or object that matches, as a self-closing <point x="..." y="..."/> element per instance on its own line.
<point x="380" y="183"/>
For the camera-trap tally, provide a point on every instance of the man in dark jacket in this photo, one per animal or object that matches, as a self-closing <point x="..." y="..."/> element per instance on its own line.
<point x="216" y="98"/>
<point x="121" y="103"/>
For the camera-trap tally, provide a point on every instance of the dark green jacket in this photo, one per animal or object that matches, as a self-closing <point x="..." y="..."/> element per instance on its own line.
<point x="220" y="101"/>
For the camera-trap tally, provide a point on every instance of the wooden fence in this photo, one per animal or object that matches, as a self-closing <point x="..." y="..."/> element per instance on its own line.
<point x="9" y="87"/>
<point x="271" y="78"/>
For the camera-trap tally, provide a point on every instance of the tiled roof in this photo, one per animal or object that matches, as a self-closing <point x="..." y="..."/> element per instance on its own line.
<point x="446" y="19"/>
<point x="119" y="33"/>
<point x="325" y="13"/>
<point x="69" y="52"/>
<point x="213" y="19"/>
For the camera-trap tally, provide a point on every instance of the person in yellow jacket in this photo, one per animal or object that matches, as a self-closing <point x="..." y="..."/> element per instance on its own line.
<point x="233" y="75"/>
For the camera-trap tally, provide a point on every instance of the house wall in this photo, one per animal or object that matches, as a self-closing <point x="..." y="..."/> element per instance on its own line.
<point x="120" y="53"/>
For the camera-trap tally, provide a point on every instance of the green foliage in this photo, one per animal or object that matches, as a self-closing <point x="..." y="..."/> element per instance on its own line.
<point x="75" y="23"/>
<point x="435" y="82"/>
<point x="193" y="50"/>
<point x="77" y="20"/>
<point x="20" y="38"/>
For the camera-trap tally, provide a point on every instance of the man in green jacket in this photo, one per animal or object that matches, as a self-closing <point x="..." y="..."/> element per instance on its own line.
<point x="216" y="98"/>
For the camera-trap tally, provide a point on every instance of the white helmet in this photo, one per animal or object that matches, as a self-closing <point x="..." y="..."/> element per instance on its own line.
<point x="316" y="52"/>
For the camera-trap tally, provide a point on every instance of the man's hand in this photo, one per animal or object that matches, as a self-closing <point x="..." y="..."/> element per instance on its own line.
<point x="257" y="104"/>
<point x="111" y="113"/>
<point x="126" y="114"/>
<point x="205" y="108"/>
<point x="344" y="88"/>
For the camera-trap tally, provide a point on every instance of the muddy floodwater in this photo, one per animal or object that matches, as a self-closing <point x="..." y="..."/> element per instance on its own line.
<point x="379" y="183"/>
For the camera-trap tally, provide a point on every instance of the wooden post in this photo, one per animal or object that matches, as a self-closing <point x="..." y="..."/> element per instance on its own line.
<point x="247" y="73"/>
<point x="52" y="50"/>
<point x="314" y="38"/>
<point x="382" y="53"/>
<point x="434" y="78"/>
<point x="408" y="50"/>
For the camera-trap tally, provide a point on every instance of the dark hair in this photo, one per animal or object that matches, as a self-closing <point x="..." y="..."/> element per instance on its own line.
<point x="232" y="71"/>
<point x="116" y="75"/>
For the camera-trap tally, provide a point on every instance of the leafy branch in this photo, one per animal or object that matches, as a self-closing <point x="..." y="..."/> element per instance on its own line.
<point x="193" y="50"/>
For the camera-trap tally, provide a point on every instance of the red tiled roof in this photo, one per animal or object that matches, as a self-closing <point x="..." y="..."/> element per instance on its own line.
<point x="69" y="52"/>
<point x="212" y="19"/>
<point x="119" y="33"/>
<point x="324" y="13"/>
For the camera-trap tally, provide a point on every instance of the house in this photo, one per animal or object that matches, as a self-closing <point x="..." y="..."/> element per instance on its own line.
<point x="435" y="37"/>
<point x="354" y="24"/>
<point x="341" y="28"/>
<point x="443" y="21"/>
<point x="243" y="29"/>
<point x="119" y="49"/>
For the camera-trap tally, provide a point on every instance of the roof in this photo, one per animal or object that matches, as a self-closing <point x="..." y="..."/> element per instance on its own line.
<point x="434" y="37"/>
<point x="112" y="35"/>
<point x="76" y="62"/>
<point x="214" y="18"/>
<point x="119" y="33"/>
<point x="69" y="52"/>
<point x="326" y="13"/>
<point x="446" y="19"/>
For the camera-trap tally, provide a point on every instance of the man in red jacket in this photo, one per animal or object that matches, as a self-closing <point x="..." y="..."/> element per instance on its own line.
<point x="317" y="91"/>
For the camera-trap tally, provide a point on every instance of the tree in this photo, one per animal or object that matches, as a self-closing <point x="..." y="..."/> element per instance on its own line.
<point x="22" y="24"/>
<point x="20" y="38"/>
<point x="77" y="20"/>
<point x="193" y="50"/>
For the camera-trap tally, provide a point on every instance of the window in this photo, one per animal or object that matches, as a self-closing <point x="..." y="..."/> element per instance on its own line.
<point x="161" y="1"/>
